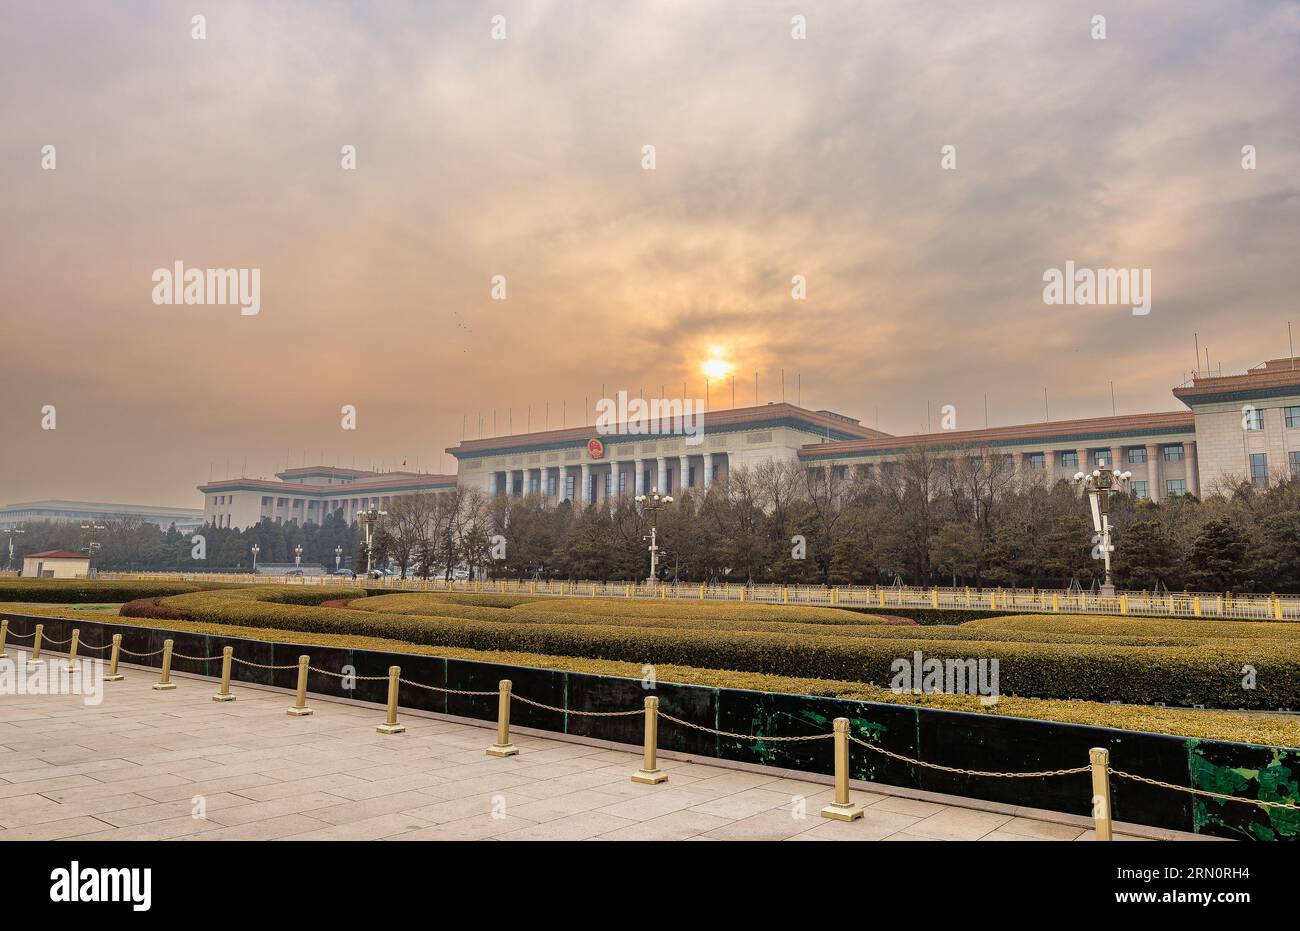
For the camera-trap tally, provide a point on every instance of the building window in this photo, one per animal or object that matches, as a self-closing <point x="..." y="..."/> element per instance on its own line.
<point x="1137" y="455"/>
<point x="1174" y="453"/>
<point x="265" y="500"/>
<point x="690" y="476"/>
<point x="1294" y="458"/>
<point x="1140" y="490"/>
<point x="1069" y="460"/>
<point x="1175" y="487"/>
<point x="1292" y="416"/>
<point x="1254" y="419"/>
<point x="1037" y="461"/>
<point x="1259" y="469"/>
<point x="550" y="486"/>
<point x="568" y="486"/>
<point x="1101" y="457"/>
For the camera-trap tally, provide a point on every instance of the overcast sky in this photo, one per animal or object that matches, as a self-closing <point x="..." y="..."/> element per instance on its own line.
<point x="522" y="157"/>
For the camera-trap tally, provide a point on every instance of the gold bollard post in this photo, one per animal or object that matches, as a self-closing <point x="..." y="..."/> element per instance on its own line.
<point x="165" y="682"/>
<point x="4" y="633"/>
<point x="72" y="649"/>
<point x="223" y="693"/>
<point x="113" y="674"/>
<point x="842" y="809"/>
<point x="503" y="746"/>
<point x="650" y="774"/>
<point x="390" y="726"/>
<point x="300" y="708"/>
<point x="36" y="645"/>
<point x="1099" y="757"/>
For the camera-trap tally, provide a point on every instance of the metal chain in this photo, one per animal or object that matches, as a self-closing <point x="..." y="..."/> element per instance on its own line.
<point x="103" y="646"/>
<point x="197" y="659"/>
<point x="14" y="636"/>
<point x="341" y="675"/>
<point x="56" y="643"/>
<point x="587" y="714"/>
<point x="133" y="653"/>
<point x="710" y="730"/>
<point x="437" y="688"/>
<point x="969" y="772"/>
<point x="244" y="662"/>
<point x="1293" y="806"/>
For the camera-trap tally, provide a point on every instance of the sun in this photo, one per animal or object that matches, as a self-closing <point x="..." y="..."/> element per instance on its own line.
<point x="716" y="368"/>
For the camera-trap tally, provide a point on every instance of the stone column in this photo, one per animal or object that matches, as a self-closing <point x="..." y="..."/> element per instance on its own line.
<point x="708" y="470"/>
<point x="1117" y="458"/>
<point x="638" y="485"/>
<point x="661" y="475"/>
<point x="1084" y="464"/>
<point x="584" y="489"/>
<point x="683" y="472"/>
<point x="1192" y="467"/>
<point x="1017" y="462"/>
<point x="1155" y="489"/>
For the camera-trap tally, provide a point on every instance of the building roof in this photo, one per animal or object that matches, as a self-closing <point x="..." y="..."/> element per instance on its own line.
<point x="57" y="554"/>
<point x="335" y="471"/>
<point x="103" y="508"/>
<point x="1060" y="431"/>
<point x="377" y="483"/>
<point x="1274" y="378"/>
<point x="773" y="414"/>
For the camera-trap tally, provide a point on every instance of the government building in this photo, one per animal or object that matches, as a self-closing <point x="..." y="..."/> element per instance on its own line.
<point x="1232" y="427"/>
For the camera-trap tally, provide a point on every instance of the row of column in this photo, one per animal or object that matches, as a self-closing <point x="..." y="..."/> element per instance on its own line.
<point x="589" y="486"/>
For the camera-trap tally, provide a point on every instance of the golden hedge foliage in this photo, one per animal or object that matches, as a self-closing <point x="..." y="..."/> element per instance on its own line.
<point x="1207" y="674"/>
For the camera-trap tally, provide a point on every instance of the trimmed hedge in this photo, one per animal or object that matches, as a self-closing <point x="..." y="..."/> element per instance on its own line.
<point x="70" y="591"/>
<point x="1151" y="627"/>
<point x="151" y="608"/>
<point x="1208" y="674"/>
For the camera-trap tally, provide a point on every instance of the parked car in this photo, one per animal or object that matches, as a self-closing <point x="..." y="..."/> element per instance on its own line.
<point x="293" y="573"/>
<point x="345" y="573"/>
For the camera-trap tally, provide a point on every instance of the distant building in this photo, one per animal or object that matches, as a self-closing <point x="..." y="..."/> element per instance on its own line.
<point x="309" y="495"/>
<point x="15" y="515"/>
<point x="56" y="564"/>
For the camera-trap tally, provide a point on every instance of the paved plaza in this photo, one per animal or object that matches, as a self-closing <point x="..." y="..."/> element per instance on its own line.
<point x="137" y="766"/>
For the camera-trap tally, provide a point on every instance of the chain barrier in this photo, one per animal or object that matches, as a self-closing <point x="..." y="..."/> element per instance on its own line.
<point x="968" y="772"/>
<point x="1204" y="793"/>
<point x="710" y="730"/>
<point x="438" y="688"/>
<point x="56" y="643"/>
<point x="1291" y="806"/>
<point x="585" y="714"/>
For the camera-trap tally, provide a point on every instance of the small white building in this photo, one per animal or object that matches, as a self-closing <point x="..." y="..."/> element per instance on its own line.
<point x="56" y="564"/>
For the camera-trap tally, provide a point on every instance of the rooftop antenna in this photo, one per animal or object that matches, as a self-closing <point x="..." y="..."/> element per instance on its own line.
<point x="1196" y="337"/>
<point x="1113" y="410"/>
<point x="1290" y="347"/>
<point x="1207" y="360"/>
<point x="1047" y="414"/>
<point x="706" y="394"/>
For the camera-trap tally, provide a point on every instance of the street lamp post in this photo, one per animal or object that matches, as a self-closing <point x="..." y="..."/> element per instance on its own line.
<point x="338" y="557"/>
<point x="297" y="556"/>
<point x="653" y="503"/>
<point x="255" y="550"/>
<point x="368" y="520"/>
<point x="11" y="532"/>
<point x="93" y="529"/>
<point x="1100" y="484"/>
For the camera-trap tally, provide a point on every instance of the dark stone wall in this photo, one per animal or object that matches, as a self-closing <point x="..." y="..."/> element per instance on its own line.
<point x="965" y="740"/>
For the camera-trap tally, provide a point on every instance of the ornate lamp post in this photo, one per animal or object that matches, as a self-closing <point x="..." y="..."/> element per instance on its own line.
<point x="338" y="556"/>
<point x="297" y="556"/>
<point x="255" y="550"/>
<point x="94" y="529"/>
<point x="653" y="503"/>
<point x="11" y="532"/>
<point x="368" y="520"/>
<point x="1100" y="484"/>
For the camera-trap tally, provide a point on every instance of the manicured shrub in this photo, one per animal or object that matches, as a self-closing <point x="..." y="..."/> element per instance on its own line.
<point x="1207" y="674"/>
<point x="71" y="591"/>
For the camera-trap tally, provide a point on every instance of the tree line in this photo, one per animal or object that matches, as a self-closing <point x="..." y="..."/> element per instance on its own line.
<point x="927" y="519"/>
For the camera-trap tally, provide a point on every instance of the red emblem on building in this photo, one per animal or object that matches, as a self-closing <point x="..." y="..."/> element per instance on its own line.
<point x="596" y="448"/>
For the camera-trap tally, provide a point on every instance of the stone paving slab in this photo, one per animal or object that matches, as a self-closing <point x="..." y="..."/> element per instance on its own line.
<point x="136" y="766"/>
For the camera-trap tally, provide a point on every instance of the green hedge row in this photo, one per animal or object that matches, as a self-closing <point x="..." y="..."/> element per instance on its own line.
<point x="70" y="591"/>
<point x="1205" y="674"/>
